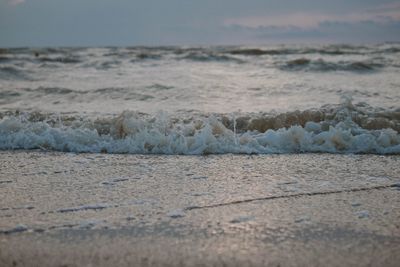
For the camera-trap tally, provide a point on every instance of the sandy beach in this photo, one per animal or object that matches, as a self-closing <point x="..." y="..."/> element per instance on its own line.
<point x="66" y="209"/>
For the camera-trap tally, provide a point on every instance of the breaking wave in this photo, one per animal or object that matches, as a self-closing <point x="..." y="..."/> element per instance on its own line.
<point x="344" y="128"/>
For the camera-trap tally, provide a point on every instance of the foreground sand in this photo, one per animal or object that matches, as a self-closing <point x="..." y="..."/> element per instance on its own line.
<point x="59" y="209"/>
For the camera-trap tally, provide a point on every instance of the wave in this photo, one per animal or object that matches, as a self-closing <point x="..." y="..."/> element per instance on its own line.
<point x="307" y="64"/>
<point x="39" y="55"/>
<point x="345" y="128"/>
<point x="304" y="50"/>
<point x="111" y="57"/>
<point x="126" y="93"/>
<point x="272" y="52"/>
<point x="205" y="56"/>
<point x="256" y="52"/>
<point x="9" y="72"/>
<point x="53" y="90"/>
<point x="4" y="59"/>
<point x="65" y="59"/>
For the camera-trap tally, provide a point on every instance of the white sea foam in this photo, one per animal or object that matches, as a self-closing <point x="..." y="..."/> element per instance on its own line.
<point x="345" y="132"/>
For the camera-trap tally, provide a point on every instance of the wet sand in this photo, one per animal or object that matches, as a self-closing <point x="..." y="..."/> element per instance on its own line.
<point x="64" y="209"/>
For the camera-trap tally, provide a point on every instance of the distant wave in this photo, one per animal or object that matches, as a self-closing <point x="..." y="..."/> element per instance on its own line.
<point x="288" y="51"/>
<point x="9" y="72"/>
<point x="345" y="128"/>
<point x="323" y="65"/>
<point x="65" y="60"/>
<point x="107" y="92"/>
<point x="206" y="56"/>
<point x="105" y="58"/>
<point x="321" y="50"/>
<point x="256" y="52"/>
<point x="53" y="90"/>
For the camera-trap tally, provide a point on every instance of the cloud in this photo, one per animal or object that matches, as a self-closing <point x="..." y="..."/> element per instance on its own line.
<point x="15" y="2"/>
<point x="302" y="20"/>
<point x="325" y="32"/>
<point x="380" y="14"/>
<point x="385" y="8"/>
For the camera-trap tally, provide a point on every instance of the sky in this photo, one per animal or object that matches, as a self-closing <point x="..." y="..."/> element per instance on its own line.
<point x="196" y="22"/>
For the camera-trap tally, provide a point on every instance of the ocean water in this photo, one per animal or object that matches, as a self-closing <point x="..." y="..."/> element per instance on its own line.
<point x="202" y="100"/>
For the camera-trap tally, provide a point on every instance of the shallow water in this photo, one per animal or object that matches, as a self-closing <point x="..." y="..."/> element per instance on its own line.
<point x="202" y="100"/>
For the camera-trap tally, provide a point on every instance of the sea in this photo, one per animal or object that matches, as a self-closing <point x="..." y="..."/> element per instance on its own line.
<point x="187" y="100"/>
